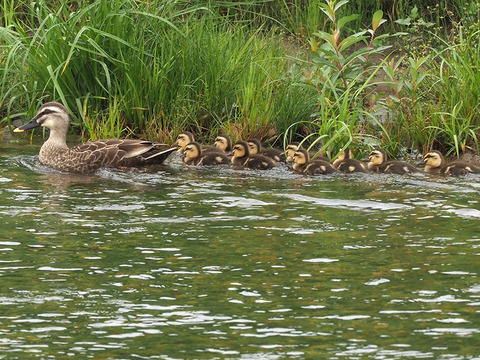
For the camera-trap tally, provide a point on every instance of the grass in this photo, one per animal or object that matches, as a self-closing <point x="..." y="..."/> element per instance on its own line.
<point x="314" y="70"/>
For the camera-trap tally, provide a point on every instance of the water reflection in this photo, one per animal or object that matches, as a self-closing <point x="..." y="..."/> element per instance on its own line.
<point x="176" y="263"/>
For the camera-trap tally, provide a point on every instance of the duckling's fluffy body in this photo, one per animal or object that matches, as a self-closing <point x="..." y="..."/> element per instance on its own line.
<point x="255" y="147"/>
<point x="436" y="164"/>
<point x="241" y="158"/>
<point x="193" y="155"/>
<point x="378" y="163"/>
<point x="303" y="165"/>
<point x="89" y="156"/>
<point x="345" y="163"/>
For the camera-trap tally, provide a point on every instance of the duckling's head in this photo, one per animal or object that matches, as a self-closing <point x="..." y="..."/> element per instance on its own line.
<point x="183" y="139"/>
<point x="290" y="151"/>
<point x="191" y="152"/>
<point x="377" y="157"/>
<point x="51" y="115"/>
<point x="240" y="149"/>
<point x="300" y="157"/>
<point x="254" y="146"/>
<point x="433" y="159"/>
<point x="223" y="142"/>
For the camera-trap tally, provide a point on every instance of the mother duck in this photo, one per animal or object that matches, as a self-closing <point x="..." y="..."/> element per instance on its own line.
<point x="93" y="155"/>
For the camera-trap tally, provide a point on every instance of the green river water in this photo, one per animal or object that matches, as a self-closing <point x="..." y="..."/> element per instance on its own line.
<point x="177" y="263"/>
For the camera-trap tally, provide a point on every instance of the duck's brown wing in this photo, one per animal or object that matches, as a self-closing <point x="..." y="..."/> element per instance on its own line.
<point x="122" y="152"/>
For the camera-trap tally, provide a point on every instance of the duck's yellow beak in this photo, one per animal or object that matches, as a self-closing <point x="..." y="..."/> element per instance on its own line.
<point x="17" y="130"/>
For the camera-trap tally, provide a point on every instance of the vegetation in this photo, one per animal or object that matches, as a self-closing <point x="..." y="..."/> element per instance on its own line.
<point x="306" y="70"/>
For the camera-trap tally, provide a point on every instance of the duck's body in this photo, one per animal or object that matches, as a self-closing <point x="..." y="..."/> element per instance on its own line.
<point x="241" y="158"/>
<point x="303" y="165"/>
<point x="345" y="163"/>
<point x="436" y="164"/>
<point x="377" y="162"/>
<point x="93" y="155"/>
<point x="193" y="155"/>
<point x="255" y="147"/>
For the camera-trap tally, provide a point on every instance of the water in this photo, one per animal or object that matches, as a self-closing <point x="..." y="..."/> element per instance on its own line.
<point x="176" y="263"/>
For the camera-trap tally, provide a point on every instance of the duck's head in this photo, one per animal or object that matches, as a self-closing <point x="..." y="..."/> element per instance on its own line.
<point x="254" y="146"/>
<point x="377" y="157"/>
<point x="183" y="139"/>
<point x="240" y="149"/>
<point x="192" y="151"/>
<point x="51" y="115"/>
<point x="290" y="151"/>
<point x="300" y="157"/>
<point x="223" y="142"/>
<point x="433" y="159"/>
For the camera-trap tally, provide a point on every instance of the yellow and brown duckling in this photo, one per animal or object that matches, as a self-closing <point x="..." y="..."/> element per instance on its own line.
<point x="193" y="155"/>
<point x="183" y="139"/>
<point x="255" y="147"/>
<point x="377" y="162"/>
<point x="436" y="164"/>
<point x="223" y="142"/>
<point x="303" y="165"/>
<point x="290" y="150"/>
<point x="345" y="163"/>
<point x="241" y="158"/>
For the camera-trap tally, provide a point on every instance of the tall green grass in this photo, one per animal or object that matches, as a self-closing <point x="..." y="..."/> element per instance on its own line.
<point x="153" y="69"/>
<point x="188" y="68"/>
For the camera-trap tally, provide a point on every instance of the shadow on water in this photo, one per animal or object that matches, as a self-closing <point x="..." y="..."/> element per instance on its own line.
<point x="176" y="263"/>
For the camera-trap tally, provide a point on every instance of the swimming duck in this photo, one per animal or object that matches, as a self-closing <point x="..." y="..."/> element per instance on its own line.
<point x="255" y="147"/>
<point x="183" y="139"/>
<point x="303" y="165"/>
<point x="436" y="164"/>
<point x="290" y="150"/>
<point x="345" y="163"/>
<point x="377" y="162"/>
<point x="89" y="156"/>
<point x="193" y="155"/>
<point x="242" y="158"/>
<point x="223" y="142"/>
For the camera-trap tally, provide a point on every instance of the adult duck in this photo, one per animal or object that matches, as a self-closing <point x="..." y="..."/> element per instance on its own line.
<point x="93" y="155"/>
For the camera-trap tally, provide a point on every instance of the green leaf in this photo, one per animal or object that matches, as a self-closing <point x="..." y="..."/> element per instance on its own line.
<point x="344" y="20"/>
<point x="377" y="20"/>
<point x="406" y="21"/>
<point x="339" y="5"/>
<point x="328" y="11"/>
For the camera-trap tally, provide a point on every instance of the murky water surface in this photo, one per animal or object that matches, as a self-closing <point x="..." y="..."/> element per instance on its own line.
<point x="176" y="263"/>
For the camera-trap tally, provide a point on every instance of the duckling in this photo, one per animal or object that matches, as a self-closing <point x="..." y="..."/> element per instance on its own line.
<point x="290" y="150"/>
<point x="193" y="155"/>
<point x="255" y="147"/>
<point x="223" y="142"/>
<point x="377" y="162"/>
<point x="345" y="163"/>
<point x="303" y="165"/>
<point x="436" y="164"/>
<point x="242" y="158"/>
<point x="183" y="139"/>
